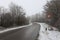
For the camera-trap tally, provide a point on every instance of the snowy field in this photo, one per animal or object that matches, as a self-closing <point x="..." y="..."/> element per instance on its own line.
<point x="46" y="34"/>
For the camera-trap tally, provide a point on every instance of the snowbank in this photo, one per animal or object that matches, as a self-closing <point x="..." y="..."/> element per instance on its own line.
<point x="46" y="34"/>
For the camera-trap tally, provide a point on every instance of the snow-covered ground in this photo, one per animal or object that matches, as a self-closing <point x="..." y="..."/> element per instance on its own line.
<point x="46" y="34"/>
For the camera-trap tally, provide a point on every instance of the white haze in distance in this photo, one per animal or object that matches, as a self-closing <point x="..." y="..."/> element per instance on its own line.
<point x="30" y="6"/>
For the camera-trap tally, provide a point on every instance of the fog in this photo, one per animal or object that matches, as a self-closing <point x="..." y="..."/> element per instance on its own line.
<point x="30" y="6"/>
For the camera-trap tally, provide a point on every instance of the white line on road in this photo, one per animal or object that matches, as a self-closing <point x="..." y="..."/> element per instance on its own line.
<point x="9" y="29"/>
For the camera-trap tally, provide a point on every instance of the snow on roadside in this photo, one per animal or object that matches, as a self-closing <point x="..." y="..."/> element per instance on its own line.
<point x="54" y="35"/>
<point x="47" y="34"/>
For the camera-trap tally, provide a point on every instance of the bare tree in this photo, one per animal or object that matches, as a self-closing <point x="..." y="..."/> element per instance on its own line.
<point x="15" y="17"/>
<point x="18" y="14"/>
<point x="39" y="17"/>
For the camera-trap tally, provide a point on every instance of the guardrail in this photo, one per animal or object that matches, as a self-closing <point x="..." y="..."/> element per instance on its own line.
<point x="28" y="32"/>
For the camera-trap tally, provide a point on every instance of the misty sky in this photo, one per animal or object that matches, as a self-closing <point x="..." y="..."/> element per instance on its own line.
<point x="30" y="6"/>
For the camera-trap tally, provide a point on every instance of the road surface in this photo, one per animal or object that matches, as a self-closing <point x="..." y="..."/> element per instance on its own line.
<point x="28" y="32"/>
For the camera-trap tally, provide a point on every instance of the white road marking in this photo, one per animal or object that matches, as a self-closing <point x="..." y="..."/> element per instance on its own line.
<point x="2" y="31"/>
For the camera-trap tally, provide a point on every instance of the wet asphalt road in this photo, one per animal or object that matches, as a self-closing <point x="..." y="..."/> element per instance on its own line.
<point x="29" y="32"/>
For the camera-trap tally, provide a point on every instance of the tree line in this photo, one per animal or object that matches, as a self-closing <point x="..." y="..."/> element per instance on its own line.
<point x="50" y="15"/>
<point x="13" y="16"/>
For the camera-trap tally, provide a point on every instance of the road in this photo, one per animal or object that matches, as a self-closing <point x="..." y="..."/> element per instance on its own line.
<point x="28" y="32"/>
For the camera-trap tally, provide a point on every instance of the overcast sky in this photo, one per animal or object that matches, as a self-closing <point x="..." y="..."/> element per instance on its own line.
<point x="30" y="6"/>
